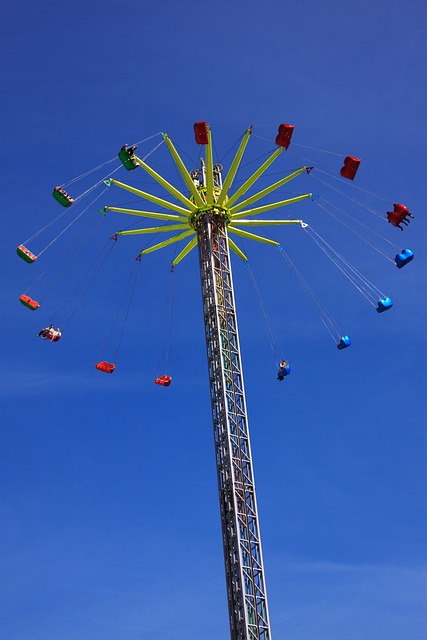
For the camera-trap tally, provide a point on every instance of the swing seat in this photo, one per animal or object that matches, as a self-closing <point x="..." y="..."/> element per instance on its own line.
<point x="25" y="254"/>
<point x="400" y="214"/>
<point x="201" y="132"/>
<point x="107" y="367"/>
<point x="62" y="197"/>
<point x="394" y="218"/>
<point x="401" y="209"/>
<point x="351" y="165"/>
<point x="164" y="381"/>
<point x="344" y="343"/>
<point x="283" y="371"/>
<point x="283" y="138"/>
<point x="403" y="258"/>
<point x="384" y="304"/>
<point x="29" y="302"/>
<point x="126" y="157"/>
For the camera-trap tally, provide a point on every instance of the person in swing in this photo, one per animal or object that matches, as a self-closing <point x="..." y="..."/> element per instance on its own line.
<point x="284" y="370"/>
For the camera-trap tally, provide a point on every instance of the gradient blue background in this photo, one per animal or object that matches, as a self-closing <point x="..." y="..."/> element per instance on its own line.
<point x="109" y="510"/>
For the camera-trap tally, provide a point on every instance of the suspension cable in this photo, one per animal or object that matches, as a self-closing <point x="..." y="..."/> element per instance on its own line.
<point x="326" y="318"/>
<point x="334" y="174"/>
<point x="61" y="253"/>
<point x="67" y="322"/>
<point x="113" y="325"/>
<point x="68" y="264"/>
<point x="167" y="353"/>
<point x="101" y="181"/>
<point x="90" y="171"/>
<point x="71" y="223"/>
<point x="127" y="311"/>
<point x="94" y="186"/>
<point x="35" y="235"/>
<point x="274" y="342"/>
<point x="360" y="204"/>
<point x="354" y="231"/>
<point x="45" y="227"/>
<point x="362" y="284"/>
<point x="304" y="146"/>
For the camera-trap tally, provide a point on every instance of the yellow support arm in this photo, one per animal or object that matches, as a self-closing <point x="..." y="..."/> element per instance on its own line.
<point x="165" y="243"/>
<point x="169" y="227"/>
<point x="148" y="196"/>
<point x="185" y="251"/>
<point x="233" y="246"/>
<point x="183" y="171"/>
<point x="261" y="223"/>
<point x="252" y="236"/>
<point x="266" y="191"/>
<point x="273" y="205"/>
<point x="254" y="177"/>
<point x="234" y="166"/>
<point x="209" y="168"/>
<point x="174" y="192"/>
<point x="147" y="214"/>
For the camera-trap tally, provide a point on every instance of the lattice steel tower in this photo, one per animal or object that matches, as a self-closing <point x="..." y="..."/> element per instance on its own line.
<point x="207" y="216"/>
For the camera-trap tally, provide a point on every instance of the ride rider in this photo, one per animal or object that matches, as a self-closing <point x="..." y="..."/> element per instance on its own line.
<point x="45" y="332"/>
<point x="50" y="333"/>
<point x="283" y="370"/>
<point x="56" y="335"/>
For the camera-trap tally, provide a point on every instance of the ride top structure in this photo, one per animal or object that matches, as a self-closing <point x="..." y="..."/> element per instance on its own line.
<point x="208" y="216"/>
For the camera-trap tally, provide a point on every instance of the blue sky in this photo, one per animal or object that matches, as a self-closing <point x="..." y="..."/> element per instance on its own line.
<point x="110" y="519"/>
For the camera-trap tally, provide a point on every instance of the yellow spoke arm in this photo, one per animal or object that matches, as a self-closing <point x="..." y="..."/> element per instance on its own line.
<point x="172" y="190"/>
<point x="148" y="196"/>
<point x="186" y="250"/>
<point x="209" y="167"/>
<point x="233" y="246"/>
<point x="268" y="207"/>
<point x="254" y="177"/>
<point x="267" y="190"/>
<point x="261" y="223"/>
<point x="147" y="214"/>
<point x="252" y="236"/>
<point x="165" y="243"/>
<point x="234" y="166"/>
<point x="183" y="171"/>
<point x="169" y="227"/>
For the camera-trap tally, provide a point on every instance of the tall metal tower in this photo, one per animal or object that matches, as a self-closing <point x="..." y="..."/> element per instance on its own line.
<point x="247" y="598"/>
<point x="208" y="215"/>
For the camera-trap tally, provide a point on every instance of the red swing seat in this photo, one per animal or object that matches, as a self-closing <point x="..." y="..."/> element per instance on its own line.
<point x="283" y="138"/>
<point x="399" y="215"/>
<point x="351" y="165"/>
<point x="107" y="367"/>
<point x="201" y="132"/>
<point x="29" y="302"/>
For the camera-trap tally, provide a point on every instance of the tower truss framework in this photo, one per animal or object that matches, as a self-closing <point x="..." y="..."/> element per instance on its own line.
<point x="247" y="600"/>
<point x="206" y="217"/>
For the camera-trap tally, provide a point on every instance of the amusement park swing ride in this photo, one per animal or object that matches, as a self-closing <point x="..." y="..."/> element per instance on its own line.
<point x="210" y="214"/>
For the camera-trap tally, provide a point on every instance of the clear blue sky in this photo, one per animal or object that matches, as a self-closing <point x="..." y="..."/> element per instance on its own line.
<point x="109" y="510"/>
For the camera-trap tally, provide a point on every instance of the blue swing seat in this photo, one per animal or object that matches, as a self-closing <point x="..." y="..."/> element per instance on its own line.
<point x="344" y="343"/>
<point x="285" y="371"/>
<point x="403" y="258"/>
<point x="384" y="304"/>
